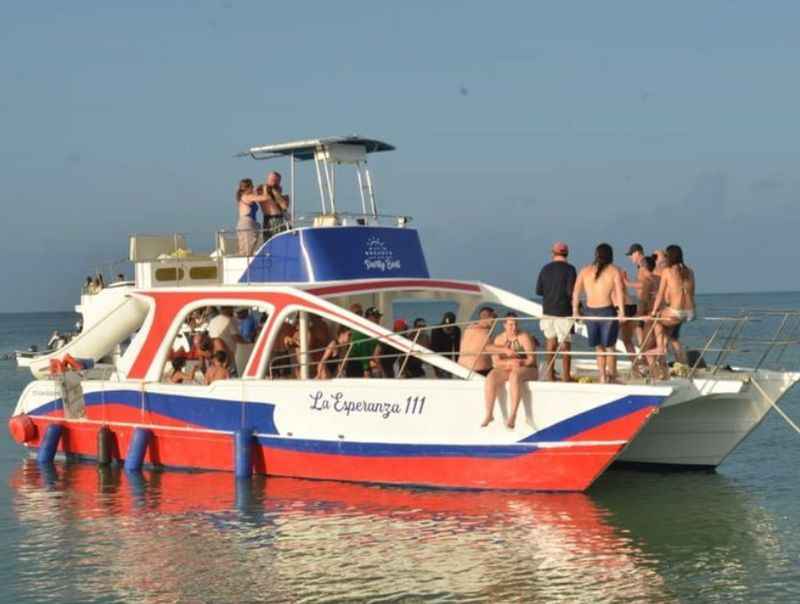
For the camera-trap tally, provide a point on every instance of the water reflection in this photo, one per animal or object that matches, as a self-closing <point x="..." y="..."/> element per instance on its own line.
<point x="94" y="532"/>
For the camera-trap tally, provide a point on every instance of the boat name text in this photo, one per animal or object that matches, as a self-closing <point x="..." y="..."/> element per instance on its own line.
<point x="337" y="403"/>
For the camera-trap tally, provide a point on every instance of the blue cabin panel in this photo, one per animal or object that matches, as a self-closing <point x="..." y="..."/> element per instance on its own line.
<point x="338" y="254"/>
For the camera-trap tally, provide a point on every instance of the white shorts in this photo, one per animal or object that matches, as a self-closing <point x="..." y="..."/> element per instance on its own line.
<point x="557" y="329"/>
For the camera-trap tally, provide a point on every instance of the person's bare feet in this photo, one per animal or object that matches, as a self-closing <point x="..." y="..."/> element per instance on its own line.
<point x="487" y="421"/>
<point x="510" y="424"/>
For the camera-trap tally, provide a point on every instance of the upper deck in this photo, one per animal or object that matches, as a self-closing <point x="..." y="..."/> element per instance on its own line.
<point x="335" y="243"/>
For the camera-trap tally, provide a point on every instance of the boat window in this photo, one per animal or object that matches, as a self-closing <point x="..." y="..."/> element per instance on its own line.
<point x="169" y="274"/>
<point x="213" y="343"/>
<point x="334" y="350"/>
<point x="203" y="272"/>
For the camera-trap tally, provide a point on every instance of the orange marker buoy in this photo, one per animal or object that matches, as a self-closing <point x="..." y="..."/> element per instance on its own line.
<point x="22" y="428"/>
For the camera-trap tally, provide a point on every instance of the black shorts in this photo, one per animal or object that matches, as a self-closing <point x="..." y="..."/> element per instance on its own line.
<point x="630" y="310"/>
<point x="483" y="372"/>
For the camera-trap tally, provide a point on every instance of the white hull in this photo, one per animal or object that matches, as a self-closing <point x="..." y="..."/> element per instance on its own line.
<point x="700" y="426"/>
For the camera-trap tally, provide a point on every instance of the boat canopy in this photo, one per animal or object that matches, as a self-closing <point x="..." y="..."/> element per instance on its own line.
<point x="306" y="149"/>
<point x="328" y="153"/>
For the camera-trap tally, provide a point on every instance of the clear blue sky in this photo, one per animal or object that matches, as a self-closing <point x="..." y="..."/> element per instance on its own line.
<point x="516" y="124"/>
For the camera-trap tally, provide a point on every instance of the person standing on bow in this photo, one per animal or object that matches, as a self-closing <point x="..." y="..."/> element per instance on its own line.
<point x="555" y="284"/>
<point x="605" y="299"/>
<point x="275" y="206"/>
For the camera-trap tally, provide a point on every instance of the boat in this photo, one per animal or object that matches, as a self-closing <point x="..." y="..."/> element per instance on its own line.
<point x="423" y="431"/>
<point x="395" y="431"/>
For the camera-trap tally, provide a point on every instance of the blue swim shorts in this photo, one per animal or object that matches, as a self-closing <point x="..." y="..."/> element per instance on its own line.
<point x="602" y="333"/>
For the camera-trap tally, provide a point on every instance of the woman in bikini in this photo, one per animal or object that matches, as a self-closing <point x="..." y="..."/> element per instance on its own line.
<point x="514" y="358"/>
<point x="676" y="291"/>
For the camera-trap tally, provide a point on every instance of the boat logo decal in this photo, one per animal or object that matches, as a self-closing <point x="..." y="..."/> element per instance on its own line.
<point x="336" y="402"/>
<point x="379" y="257"/>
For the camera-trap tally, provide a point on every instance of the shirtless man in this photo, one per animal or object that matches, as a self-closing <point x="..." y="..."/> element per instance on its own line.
<point x="676" y="290"/>
<point x="514" y="362"/>
<point x="472" y="352"/>
<point x="274" y="206"/>
<point x="604" y="298"/>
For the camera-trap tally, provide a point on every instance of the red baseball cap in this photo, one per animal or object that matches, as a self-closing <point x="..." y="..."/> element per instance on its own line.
<point x="560" y="248"/>
<point x="400" y="325"/>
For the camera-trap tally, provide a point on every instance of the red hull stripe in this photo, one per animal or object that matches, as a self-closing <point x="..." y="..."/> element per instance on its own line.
<point x="569" y="469"/>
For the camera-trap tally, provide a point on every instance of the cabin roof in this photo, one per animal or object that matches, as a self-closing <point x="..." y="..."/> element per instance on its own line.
<point x="304" y="149"/>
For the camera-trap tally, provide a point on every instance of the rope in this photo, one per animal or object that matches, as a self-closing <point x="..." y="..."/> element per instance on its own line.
<point x="774" y="405"/>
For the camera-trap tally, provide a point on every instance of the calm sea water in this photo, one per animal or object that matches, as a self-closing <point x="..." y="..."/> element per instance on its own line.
<point x="78" y="534"/>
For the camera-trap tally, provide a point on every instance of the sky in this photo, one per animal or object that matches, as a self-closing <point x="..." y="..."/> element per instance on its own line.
<point x="516" y="124"/>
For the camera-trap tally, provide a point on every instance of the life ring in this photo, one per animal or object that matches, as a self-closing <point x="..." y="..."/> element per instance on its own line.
<point x="22" y="428"/>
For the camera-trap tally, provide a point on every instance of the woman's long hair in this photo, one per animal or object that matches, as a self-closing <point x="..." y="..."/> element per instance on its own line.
<point x="674" y="255"/>
<point x="603" y="256"/>
<point x="245" y="185"/>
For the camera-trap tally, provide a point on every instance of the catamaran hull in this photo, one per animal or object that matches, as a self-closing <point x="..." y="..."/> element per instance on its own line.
<point x="568" y="456"/>
<point x="700" y="429"/>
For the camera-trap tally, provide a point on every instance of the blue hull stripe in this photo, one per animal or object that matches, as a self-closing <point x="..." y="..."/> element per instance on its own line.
<point x="594" y="418"/>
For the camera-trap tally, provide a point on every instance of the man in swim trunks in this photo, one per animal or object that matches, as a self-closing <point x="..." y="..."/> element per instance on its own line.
<point x="555" y="285"/>
<point x="677" y="291"/>
<point x="602" y="282"/>
<point x="275" y="206"/>
<point x="472" y="352"/>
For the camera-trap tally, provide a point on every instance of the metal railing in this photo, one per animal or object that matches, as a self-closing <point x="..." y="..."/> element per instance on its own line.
<point x="728" y="330"/>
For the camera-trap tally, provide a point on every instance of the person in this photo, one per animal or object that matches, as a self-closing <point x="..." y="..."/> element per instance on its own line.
<point x="555" y="285"/>
<point x="368" y="348"/>
<point x="630" y="290"/>
<point x="472" y="349"/>
<point x="661" y="261"/>
<point x="676" y="290"/>
<point x="602" y="282"/>
<point x="201" y="349"/>
<point x="446" y="340"/>
<point x="515" y="364"/>
<point x="120" y="278"/>
<point x="179" y="375"/>
<point x="247" y="325"/>
<point x="647" y="286"/>
<point x="274" y="206"/>
<point x="88" y="286"/>
<point x="218" y="369"/>
<point x="283" y="363"/>
<point x="224" y="333"/>
<point x="415" y="368"/>
<point x="636" y="254"/>
<point x="387" y="355"/>
<point x="335" y="361"/>
<point x="247" y="200"/>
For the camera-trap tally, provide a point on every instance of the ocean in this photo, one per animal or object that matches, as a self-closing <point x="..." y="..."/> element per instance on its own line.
<point x="76" y="533"/>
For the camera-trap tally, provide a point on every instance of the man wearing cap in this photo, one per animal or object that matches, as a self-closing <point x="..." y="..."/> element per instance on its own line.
<point x="446" y="340"/>
<point x="555" y="284"/>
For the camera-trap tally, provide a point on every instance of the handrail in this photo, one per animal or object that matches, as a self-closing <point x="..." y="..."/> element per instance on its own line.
<point x="732" y="344"/>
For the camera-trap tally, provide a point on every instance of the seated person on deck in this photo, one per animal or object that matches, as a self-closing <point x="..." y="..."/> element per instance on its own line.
<point x="514" y="361"/>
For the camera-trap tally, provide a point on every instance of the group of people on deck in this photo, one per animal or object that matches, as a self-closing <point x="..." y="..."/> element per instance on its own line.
<point x="274" y="205"/>
<point x="648" y="310"/>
